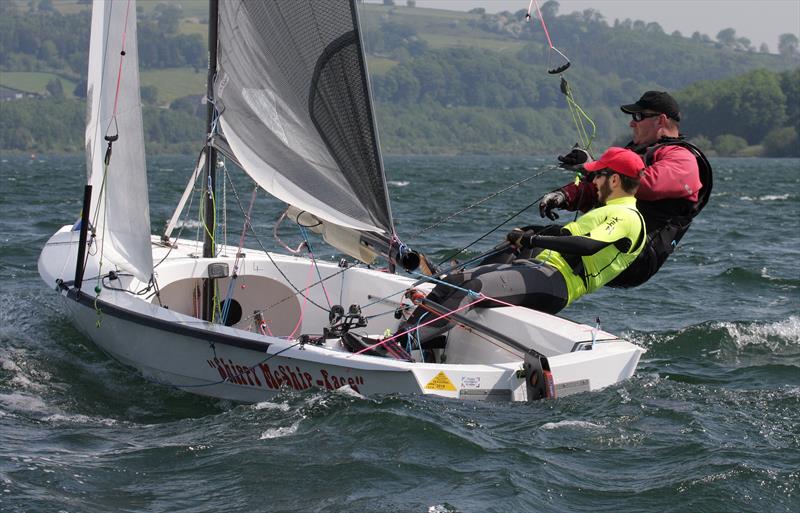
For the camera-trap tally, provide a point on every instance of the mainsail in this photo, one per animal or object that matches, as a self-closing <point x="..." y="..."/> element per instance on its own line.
<point x="120" y="206"/>
<point x="294" y="105"/>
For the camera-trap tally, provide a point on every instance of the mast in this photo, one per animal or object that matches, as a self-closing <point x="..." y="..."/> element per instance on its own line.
<point x="210" y="178"/>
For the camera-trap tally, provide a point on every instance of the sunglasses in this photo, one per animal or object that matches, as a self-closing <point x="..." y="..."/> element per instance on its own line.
<point x="639" y="116"/>
<point x="602" y="172"/>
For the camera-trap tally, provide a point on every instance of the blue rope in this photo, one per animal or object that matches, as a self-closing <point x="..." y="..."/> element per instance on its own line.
<point x="472" y="293"/>
<point x="479" y="257"/>
<point x="419" y="343"/>
<point x="226" y="303"/>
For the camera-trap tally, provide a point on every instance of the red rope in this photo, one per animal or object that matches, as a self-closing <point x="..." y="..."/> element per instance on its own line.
<point x="541" y="20"/>
<point x="305" y="302"/>
<point x="121" y="56"/>
<point x="397" y="335"/>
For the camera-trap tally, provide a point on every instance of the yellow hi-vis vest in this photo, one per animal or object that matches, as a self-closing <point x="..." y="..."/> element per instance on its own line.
<point x="618" y="219"/>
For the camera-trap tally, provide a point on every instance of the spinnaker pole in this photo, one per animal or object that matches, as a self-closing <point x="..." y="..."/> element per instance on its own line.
<point x="210" y="181"/>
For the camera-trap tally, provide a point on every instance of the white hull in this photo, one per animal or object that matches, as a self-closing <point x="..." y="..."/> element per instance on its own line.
<point x="172" y="346"/>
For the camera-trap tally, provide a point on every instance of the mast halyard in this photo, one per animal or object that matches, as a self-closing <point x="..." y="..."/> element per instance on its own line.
<point x="210" y="178"/>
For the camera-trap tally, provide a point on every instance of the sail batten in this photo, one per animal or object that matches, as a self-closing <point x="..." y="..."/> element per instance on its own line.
<point x="120" y="206"/>
<point x="295" y="107"/>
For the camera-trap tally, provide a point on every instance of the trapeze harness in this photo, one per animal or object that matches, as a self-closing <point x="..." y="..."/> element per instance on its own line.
<point x="667" y="220"/>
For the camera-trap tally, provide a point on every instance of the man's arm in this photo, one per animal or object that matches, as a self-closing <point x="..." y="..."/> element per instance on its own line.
<point x="673" y="174"/>
<point x="608" y="232"/>
<point x="568" y="244"/>
<point x="581" y="196"/>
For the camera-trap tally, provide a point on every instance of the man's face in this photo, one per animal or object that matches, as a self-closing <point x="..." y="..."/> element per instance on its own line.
<point x="602" y="180"/>
<point x="647" y="129"/>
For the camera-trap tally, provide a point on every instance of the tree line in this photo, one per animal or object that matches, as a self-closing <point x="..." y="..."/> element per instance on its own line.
<point x="754" y="114"/>
<point x="757" y="108"/>
<point x="449" y="100"/>
<point x="43" y="39"/>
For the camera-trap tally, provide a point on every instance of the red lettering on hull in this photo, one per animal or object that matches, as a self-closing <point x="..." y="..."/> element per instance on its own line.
<point x="282" y="377"/>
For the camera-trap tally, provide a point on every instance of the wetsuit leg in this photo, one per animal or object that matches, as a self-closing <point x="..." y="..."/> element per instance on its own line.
<point x="525" y="283"/>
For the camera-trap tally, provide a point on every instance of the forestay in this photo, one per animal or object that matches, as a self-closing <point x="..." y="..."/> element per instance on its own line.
<point x="120" y="207"/>
<point x="294" y="103"/>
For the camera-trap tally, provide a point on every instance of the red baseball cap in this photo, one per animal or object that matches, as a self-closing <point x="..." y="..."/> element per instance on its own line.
<point x="619" y="160"/>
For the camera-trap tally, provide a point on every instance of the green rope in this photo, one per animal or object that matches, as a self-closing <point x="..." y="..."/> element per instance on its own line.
<point x="580" y="118"/>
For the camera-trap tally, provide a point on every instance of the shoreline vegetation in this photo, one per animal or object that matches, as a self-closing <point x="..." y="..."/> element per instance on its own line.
<point x="444" y="82"/>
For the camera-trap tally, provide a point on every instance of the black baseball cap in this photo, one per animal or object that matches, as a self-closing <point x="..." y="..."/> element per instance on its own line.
<point x="657" y="101"/>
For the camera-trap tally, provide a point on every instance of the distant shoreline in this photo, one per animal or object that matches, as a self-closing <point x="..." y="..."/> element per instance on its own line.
<point x="11" y="154"/>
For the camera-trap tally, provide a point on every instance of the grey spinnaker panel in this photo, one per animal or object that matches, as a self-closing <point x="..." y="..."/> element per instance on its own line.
<point x="294" y="103"/>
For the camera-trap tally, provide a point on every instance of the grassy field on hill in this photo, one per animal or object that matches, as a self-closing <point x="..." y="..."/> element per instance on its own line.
<point x="34" y="82"/>
<point x="173" y="83"/>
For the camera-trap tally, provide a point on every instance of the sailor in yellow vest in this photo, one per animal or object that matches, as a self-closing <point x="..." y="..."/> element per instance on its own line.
<point x="568" y="261"/>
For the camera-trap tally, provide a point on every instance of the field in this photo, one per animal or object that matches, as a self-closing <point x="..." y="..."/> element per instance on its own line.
<point x="34" y="82"/>
<point x="190" y="8"/>
<point x="175" y="83"/>
<point x="448" y="41"/>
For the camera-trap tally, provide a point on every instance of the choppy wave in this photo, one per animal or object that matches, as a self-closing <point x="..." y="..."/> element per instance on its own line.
<point x="769" y="197"/>
<point x="280" y="431"/>
<point x="708" y="422"/>
<point x="744" y="276"/>
<point x="267" y="405"/>
<point x="776" y="336"/>
<point x="578" y="424"/>
<point x="713" y="337"/>
<point x="188" y="223"/>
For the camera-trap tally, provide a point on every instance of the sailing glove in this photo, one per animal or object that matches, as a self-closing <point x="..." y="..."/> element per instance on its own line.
<point x="520" y="237"/>
<point x="550" y="201"/>
<point x="577" y="157"/>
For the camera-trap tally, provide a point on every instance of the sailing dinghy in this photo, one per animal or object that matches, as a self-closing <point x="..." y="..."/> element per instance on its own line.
<point x="289" y="103"/>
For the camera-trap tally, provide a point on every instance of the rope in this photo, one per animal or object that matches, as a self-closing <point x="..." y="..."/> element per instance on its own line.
<point x="541" y="19"/>
<point x="562" y="68"/>
<point x="98" y="282"/>
<point x="451" y="285"/>
<point x="397" y="335"/>
<point x="211" y="234"/>
<point x="579" y="116"/>
<point x="121" y="57"/>
<point x="232" y="281"/>
<point x="305" y="302"/>
<point x="258" y="240"/>
<point x="416" y="337"/>
<point x="180" y="230"/>
<point x="479" y="202"/>
<point x="304" y="234"/>
<point x="273" y="305"/>
<point x="225" y="213"/>
<point x="451" y="257"/>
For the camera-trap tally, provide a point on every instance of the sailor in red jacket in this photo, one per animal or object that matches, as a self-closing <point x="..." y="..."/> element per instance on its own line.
<point x="675" y="187"/>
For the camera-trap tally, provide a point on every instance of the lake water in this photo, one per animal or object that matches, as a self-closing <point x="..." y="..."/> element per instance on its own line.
<point x="709" y="422"/>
